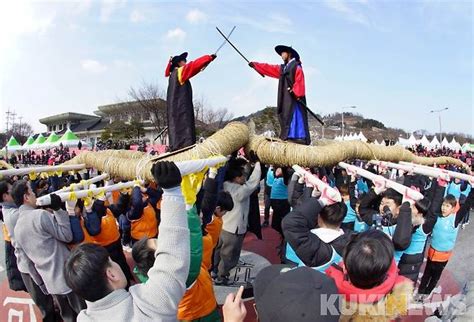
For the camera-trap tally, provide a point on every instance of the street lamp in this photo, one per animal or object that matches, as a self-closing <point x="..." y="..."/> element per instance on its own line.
<point x="439" y="118"/>
<point x="342" y="117"/>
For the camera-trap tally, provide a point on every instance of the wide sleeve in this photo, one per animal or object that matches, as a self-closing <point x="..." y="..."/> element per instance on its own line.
<point x="163" y="291"/>
<point x="299" y="86"/>
<point x="267" y="69"/>
<point x="192" y="68"/>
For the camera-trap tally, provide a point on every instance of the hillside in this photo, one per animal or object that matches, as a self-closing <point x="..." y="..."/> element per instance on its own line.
<point x="267" y="120"/>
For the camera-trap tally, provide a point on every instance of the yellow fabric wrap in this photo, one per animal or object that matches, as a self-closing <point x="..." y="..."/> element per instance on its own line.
<point x="33" y="176"/>
<point x="190" y="185"/>
<point x="72" y="196"/>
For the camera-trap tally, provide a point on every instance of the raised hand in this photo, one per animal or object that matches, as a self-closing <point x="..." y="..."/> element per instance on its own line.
<point x="166" y="174"/>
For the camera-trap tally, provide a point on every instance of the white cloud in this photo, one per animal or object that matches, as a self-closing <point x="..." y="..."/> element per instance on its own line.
<point x="119" y="63"/>
<point x="350" y="14"/>
<point x="93" y="66"/>
<point x="176" y="34"/>
<point x="137" y="16"/>
<point x="108" y="7"/>
<point x="196" y="16"/>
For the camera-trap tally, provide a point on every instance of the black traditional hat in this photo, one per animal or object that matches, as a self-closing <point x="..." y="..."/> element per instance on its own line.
<point x="173" y="63"/>
<point x="282" y="48"/>
<point x="176" y="59"/>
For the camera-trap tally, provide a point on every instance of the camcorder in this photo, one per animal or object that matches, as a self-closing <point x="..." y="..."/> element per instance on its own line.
<point x="383" y="219"/>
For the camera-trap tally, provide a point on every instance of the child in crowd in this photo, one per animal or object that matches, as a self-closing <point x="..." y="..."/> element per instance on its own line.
<point x="443" y="239"/>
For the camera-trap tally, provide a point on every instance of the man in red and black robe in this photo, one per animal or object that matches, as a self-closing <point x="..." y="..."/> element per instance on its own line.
<point x="179" y="100"/>
<point x="291" y="91"/>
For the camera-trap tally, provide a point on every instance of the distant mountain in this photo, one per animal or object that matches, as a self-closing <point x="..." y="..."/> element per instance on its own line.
<point x="267" y="120"/>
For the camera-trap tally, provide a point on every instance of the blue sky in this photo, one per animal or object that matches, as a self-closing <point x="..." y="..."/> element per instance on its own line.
<point x="394" y="60"/>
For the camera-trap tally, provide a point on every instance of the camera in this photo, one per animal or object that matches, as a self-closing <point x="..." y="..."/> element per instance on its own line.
<point x="384" y="219"/>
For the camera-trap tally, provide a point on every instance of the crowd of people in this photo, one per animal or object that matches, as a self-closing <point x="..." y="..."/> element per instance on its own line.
<point x="120" y="145"/>
<point x="54" y="156"/>
<point x="466" y="157"/>
<point x="367" y="249"/>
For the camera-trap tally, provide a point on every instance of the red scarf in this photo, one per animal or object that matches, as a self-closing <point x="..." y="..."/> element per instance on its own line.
<point x="372" y="295"/>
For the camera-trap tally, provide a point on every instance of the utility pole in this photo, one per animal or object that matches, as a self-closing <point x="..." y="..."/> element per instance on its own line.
<point x="439" y="119"/>
<point x="8" y="118"/>
<point x="8" y="113"/>
<point x="19" y="126"/>
<point x="13" y="117"/>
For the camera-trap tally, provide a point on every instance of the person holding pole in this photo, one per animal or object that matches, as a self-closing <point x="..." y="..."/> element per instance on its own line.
<point x="179" y="99"/>
<point x="291" y="104"/>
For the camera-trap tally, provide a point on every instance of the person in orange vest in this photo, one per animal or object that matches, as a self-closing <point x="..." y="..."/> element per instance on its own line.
<point x="199" y="302"/>
<point x="141" y="219"/>
<point x="100" y="227"/>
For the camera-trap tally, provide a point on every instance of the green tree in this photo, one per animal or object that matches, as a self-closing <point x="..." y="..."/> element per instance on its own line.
<point x="117" y="130"/>
<point x="136" y="128"/>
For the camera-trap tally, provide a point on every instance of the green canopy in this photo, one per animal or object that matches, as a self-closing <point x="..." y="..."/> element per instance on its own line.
<point x="39" y="140"/>
<point x="30" y="141"/>
<point x="52" y="138"/>
<point x="13" y="142"/>
<point x="69" y="136"/>
<point x="12" y="145"/>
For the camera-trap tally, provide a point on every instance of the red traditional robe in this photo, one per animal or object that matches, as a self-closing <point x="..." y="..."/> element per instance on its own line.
<point x="292" y="115"/>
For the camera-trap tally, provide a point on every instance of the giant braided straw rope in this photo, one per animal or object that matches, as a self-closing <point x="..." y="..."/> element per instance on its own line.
<point x="130" y="164"/>
<point x="277" y="152"/>
<point x="4" y="165"/>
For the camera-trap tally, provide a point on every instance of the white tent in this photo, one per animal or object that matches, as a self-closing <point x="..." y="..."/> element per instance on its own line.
<point x="376" y="142"/>
<point x="403" y="142"/>
<point x="445" y="143"/>
<point x="362" y="137"/>
<point x="424" y="141"/>
<point x="454" y="145"/>
<point x="412" y="140"/>
<point x="435" y="143"/>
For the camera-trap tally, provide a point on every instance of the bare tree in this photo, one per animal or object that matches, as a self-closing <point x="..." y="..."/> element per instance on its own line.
<point x="152" y="99"/>
<point x="199" y="104"/>
<point x="216" y="118"/>
<point x="20" y="131"/>
<point x="223" y="115"/>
